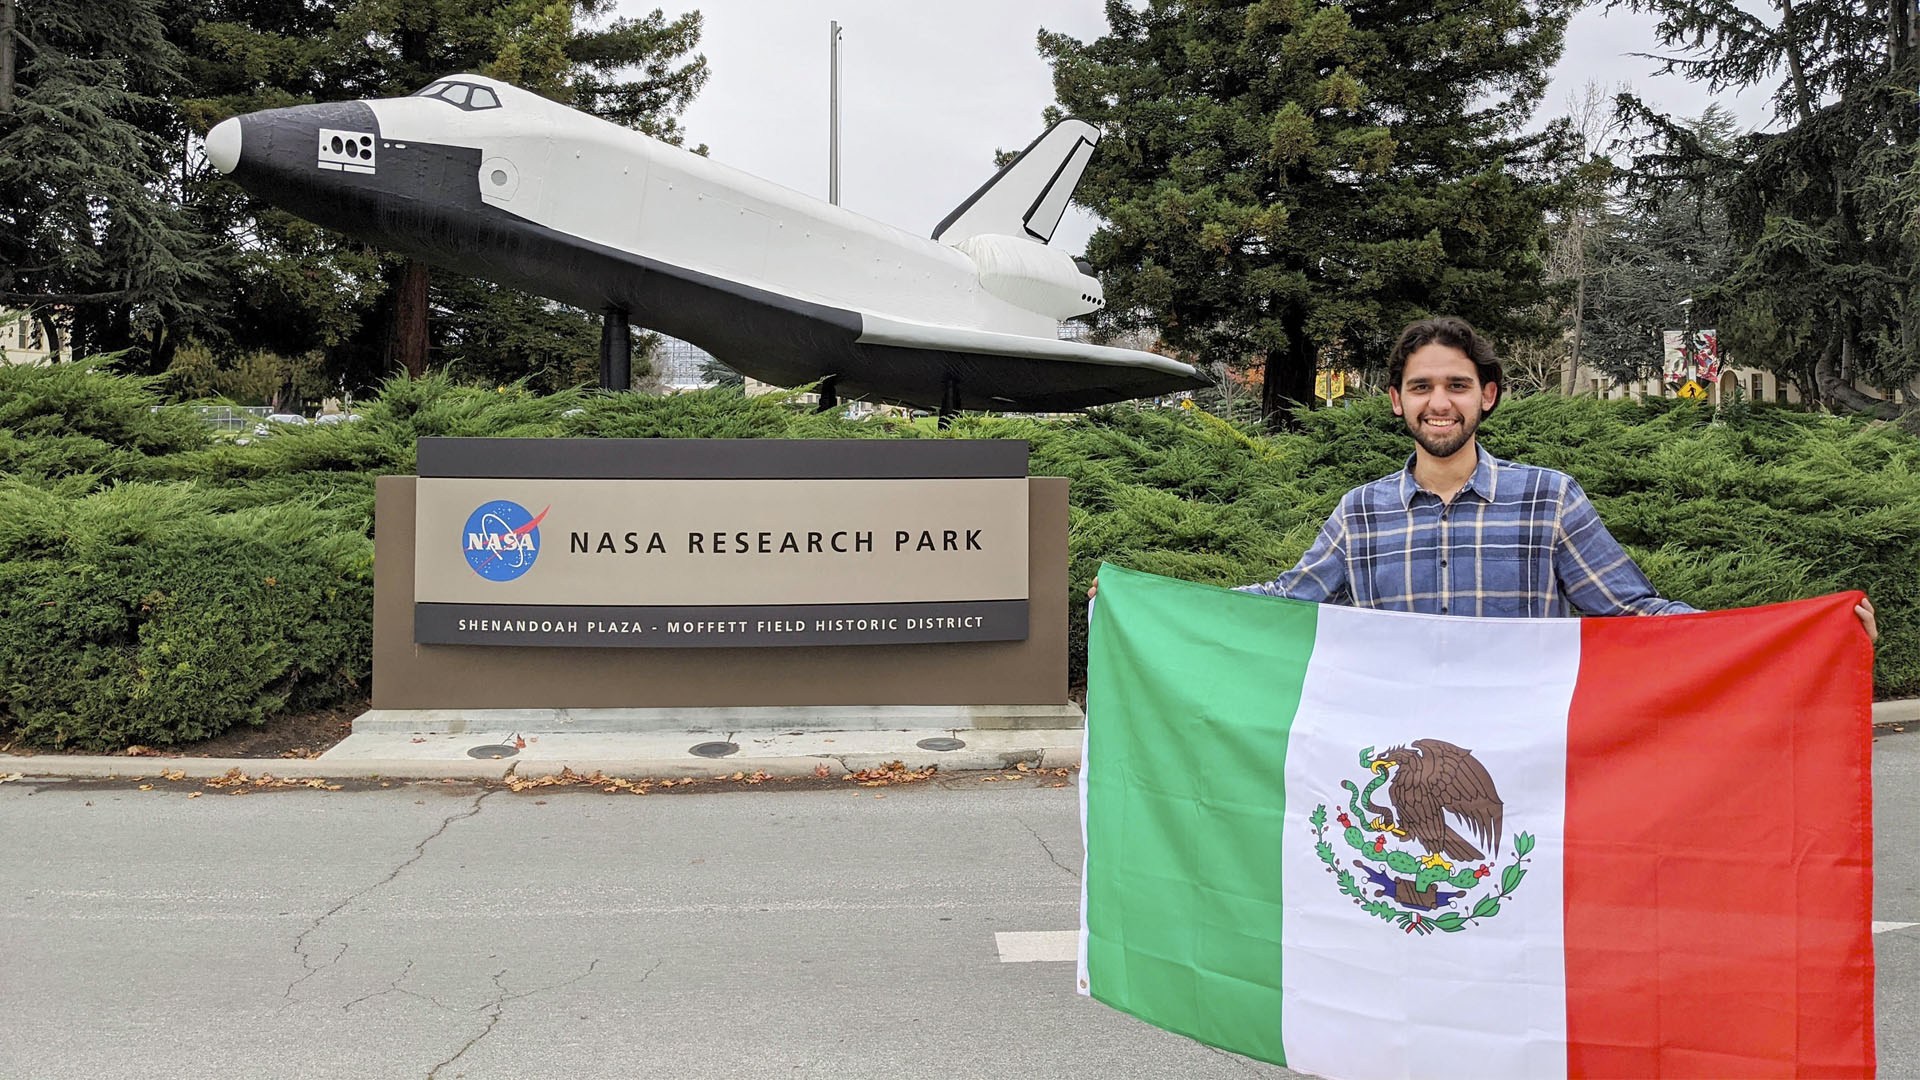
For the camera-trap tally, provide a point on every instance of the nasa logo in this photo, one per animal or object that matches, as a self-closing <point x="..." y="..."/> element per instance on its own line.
<point x="501" y="540"/>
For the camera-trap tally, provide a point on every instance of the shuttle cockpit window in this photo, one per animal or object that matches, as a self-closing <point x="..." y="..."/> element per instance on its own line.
<point x="465" y="95"/>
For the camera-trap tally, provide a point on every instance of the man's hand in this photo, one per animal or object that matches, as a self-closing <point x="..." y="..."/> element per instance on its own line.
<point x="1864" y="609"/>
<point x="1095" y="587"/>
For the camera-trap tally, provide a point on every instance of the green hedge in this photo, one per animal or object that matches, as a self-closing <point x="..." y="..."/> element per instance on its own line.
<point x="159" y="586"/>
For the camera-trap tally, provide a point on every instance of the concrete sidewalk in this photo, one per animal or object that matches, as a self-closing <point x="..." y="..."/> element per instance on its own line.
<point x="389" y="751"/>
<point x="634" y="743"/>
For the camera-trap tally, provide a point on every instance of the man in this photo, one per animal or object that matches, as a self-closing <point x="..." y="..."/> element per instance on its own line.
<point x="1458" y="531"/>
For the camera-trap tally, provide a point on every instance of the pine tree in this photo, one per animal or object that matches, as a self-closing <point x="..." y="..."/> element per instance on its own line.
<point x="1824" y="215"/>
<point x="1656" y="258"/>
<point x="1287" y="180"/>
<point x="92" y="239"/>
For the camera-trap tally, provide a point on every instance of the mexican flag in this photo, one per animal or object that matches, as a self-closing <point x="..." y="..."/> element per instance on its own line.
<point x="1367" y="844"/>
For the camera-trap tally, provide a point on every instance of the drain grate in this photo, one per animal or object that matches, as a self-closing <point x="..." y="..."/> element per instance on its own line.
<point x="497" y="750"/>
<point x="940" y="744"/>
<point x="714" y="749"/>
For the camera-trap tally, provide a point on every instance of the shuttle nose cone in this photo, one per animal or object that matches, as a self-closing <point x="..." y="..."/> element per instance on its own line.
<point x="223" y="145"/>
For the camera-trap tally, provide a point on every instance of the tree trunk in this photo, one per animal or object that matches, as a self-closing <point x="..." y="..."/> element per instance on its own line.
<point x="1571" y="377"/>
<point x="407" y="334"/>
<point x="50" y="333"/>
<point x="1287" y="376"/>
<point x="1835" y="389"/>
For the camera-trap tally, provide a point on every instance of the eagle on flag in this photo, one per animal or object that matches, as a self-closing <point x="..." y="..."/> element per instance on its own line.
<point x="1432" y="779"/>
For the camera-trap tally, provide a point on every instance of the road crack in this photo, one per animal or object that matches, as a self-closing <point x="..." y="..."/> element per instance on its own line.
<point x="308" y="968"/>
<point x="498" y="1007"/>
<point x="1044" y="846"/>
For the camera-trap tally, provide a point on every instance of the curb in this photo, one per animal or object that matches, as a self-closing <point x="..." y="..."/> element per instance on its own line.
<point x="121" y="768"/>
<point x="1896" y="712"/>
<point x="101" y="767"/>
<point x="140" y="768"/>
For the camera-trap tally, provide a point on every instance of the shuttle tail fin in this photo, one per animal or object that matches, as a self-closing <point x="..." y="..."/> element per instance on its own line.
<point x="1028" y="196"/>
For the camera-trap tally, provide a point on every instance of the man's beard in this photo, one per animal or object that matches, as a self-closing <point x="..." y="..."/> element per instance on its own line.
<point x="1446" y="444"/>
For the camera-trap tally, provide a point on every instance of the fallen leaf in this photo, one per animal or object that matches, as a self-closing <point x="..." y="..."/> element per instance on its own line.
<point x="173" y="774"/>
<point x="9" y="778"/>
<point x="146" y="787"/>
<point x="195" y="794"/>
<point x="142" y="751"/>
<point x="417" y="740"/>
<point x="822" y="771"/>
<point x="1022" y="766"/>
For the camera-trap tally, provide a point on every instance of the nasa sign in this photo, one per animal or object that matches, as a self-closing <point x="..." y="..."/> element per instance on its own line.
<point x="720" y="543"/>
<point x="501" y="540"/>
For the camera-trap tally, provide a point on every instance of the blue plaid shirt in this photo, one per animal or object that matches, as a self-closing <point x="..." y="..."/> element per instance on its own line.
<point x="1517" y="542"/>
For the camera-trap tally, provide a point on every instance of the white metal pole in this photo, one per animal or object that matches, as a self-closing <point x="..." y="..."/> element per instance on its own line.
<point x="833" y="113"/>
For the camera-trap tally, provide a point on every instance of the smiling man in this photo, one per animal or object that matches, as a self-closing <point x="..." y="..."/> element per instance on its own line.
<point x="1459" y="531"/>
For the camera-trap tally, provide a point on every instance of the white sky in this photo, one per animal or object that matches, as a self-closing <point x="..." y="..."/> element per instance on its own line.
<point x="929" y="92"/>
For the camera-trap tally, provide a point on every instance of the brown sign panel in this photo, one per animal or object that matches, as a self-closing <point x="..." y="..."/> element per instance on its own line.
<point x="412" y="675"/>
<point x="629" y="559"/>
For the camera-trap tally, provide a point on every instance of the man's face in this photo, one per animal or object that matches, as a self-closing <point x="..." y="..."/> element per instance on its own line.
<point x="1441" y="398"/>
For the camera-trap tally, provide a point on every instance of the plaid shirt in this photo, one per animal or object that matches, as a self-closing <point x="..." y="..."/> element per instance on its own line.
<point x="1517" y="542"/>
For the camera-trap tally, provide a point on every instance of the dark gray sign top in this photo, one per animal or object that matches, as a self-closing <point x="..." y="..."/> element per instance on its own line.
<point x="722" y="459"/>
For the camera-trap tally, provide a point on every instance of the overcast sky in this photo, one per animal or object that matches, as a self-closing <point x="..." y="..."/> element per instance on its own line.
<point x="929" y="92"/>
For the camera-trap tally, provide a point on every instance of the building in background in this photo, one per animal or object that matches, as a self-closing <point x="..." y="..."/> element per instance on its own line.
<point x="681" y="365"/>
<point x="1753" y="384"/>
<point x="24" y="341"/>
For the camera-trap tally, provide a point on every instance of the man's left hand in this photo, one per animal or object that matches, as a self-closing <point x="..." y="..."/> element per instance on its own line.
<point x="1864" y="609"/>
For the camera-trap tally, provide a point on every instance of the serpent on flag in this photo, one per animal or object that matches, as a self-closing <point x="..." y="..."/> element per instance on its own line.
<point x="1370" y="844"/>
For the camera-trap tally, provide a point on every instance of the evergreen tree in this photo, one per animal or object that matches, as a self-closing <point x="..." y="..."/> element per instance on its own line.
<point x="1656" y="260"/>
<point x="377" y="312"/>
<point x="1284" y="180"/>
<point x="92" y="240"/>
<point x="1825" y="275"/>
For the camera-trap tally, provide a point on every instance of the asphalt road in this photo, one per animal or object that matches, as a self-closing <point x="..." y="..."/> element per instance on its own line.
<point x="442" y="931"/>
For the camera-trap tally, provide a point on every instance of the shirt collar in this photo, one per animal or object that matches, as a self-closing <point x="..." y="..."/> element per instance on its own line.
<point x="1481" y="482"/>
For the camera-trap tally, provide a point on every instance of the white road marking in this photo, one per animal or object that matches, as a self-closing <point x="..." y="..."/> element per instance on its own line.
<point x="1036" y="946"/>
<point x="1883" y="927"/>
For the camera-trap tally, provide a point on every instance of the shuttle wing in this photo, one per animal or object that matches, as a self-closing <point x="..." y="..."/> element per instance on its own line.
<point x="1028" y="196"/>
<point x="900" y="333"/>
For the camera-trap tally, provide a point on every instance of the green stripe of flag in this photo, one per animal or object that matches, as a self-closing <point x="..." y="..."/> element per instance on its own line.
<point x="1185" y="806"/>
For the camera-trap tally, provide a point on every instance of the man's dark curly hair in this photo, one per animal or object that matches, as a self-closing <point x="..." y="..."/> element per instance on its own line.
<point x="1450" y="331"/>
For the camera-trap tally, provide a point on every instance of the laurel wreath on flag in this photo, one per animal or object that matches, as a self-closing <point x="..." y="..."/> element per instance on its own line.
<point x="1426" y="874"/>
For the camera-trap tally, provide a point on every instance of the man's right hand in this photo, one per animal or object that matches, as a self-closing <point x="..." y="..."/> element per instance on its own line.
<point x="1093" y="588"/>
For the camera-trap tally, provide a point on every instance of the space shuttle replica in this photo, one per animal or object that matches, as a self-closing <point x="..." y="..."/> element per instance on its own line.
<point x="483" y="178"/>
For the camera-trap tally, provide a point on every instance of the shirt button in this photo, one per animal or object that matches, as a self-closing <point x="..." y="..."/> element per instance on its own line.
<point x="1443" y="562"/>
<point x="1443" y="609"/>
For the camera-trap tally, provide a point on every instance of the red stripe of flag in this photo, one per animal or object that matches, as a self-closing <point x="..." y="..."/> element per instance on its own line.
<point x="1719" y="852"/>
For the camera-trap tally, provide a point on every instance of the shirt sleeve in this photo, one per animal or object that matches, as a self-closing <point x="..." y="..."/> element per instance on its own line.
<point x="1595" y="572"/>
<point x="1321" y="574"/>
